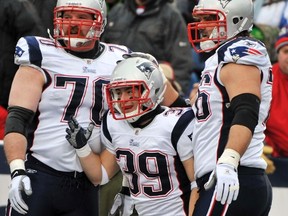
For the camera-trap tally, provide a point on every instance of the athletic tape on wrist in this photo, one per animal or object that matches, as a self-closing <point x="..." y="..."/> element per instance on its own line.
<point x="125" y="182"/>
<point x="84" y="151"/>
<point x="17" y="164"/>
<point x="17" y="172"/>
<point x="193" y="185"/>
<point x="105" y="178"/>
<point x="231" y="157"/>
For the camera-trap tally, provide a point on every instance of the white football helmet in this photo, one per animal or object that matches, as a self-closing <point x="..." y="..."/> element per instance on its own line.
<point x="144" y="78"/>
<point x="77" y="41"/>
<point x="230" y="17"/>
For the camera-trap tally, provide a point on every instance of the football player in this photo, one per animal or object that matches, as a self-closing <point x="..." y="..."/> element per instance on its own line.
<point x="150" y="143"/>
<point x="231" y="110"/>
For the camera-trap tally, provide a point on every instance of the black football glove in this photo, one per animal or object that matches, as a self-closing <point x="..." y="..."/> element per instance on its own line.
<point x="76" y="135"/>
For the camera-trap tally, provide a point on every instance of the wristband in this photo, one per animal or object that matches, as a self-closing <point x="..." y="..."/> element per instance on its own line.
<point x="84" y="151"/>
<point x="230" y="157"/>
<point x="17" y="164"/>
<point x="18" y="172"/>
<point x="193" y="185"/>
<point x="125" y="182"/>
<point x="105" y="178"/>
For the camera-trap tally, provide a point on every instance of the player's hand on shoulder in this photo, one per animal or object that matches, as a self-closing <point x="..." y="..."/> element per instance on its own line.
<point x="20" y="183"/>
<point x="76" y="135"/>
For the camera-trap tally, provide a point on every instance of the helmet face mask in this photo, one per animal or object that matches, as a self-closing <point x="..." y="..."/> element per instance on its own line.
<point x="136" y="103"/>
<point x="210" y="31"/>
<point x="136" y="88"/>
<point x="229" y="19"/>
<point x="77" y="25"/>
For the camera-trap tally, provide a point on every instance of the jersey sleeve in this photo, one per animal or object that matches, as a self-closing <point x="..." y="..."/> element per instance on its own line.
<point x="21" y="52"/>
<point x="28" y="53"/>
<point x="245" y="51"/>
<point x="106" y="138"/>
<point x="184" y="126"/>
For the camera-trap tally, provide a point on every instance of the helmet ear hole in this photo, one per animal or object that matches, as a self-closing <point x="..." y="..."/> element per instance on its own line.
<point x="236" y="20"/>
<point x="157" y="90"/>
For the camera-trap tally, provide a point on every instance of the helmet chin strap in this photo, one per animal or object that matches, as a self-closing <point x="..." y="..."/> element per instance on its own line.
<point x="207" y="45"/>
<point x="129" y="119"/>
<point x="78" y="42"/>
<point x="146" y="119"/>
<point x="81" y="42"/>
<point x="135" y="118"/>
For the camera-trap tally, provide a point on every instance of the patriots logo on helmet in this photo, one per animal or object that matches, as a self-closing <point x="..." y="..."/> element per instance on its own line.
<point x="147" y="68"/>
<point x="224" y="3"/>
<point x="101" y="3"/>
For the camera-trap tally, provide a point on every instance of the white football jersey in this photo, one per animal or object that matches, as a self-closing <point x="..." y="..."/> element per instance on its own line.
<point x="150" y="158"/>
<point x="74" y="87"/>
<point x="212" y="113"/>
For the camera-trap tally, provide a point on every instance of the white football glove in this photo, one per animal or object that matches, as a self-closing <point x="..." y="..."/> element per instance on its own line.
<point x="226" y="177"/>
<point x="227" y="183"/>
<point x="20" y="182"/>
<point x="123" y="205"/>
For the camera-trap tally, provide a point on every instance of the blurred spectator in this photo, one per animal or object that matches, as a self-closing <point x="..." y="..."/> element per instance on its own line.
<point x="17" y="18"/>
<point x="277" y="124"/>
<point x="273" y="13"/>
<point x="198" y="59"/>
<point x="257" y="7"/>
<point x="155" y="27"/>
<point x="170" y="75"/>
<point x="3" y="115"/>
<point x="186" y="7"/>
<point x="266" y="155"/>
<point x="111" y="3"/>
<point x="268" y="35"/>
<point x="44" y="10"/>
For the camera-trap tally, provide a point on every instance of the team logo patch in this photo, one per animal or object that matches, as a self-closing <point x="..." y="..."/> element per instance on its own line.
<point x="241" y="51"/>
<point x="132" y="142"/>
<point x="89" y="70"/>
<point x="224" y="3"/>
<point x="147" y="68"/>
<point x="18" y="51"/>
